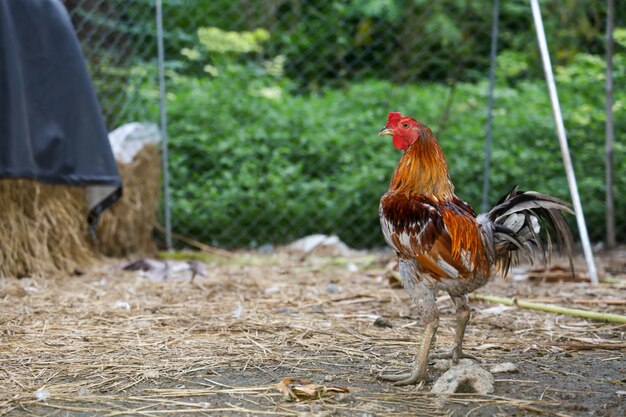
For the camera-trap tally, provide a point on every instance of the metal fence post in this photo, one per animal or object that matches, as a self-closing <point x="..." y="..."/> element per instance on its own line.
<point x="609" y="127"/>
<point x="163" y="116"/>
<point x="492" y="82"/>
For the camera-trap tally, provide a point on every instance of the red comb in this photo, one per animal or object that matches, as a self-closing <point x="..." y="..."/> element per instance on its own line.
<point x="393" y="117"/>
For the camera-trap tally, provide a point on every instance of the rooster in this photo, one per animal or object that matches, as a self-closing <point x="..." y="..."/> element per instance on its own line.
<point x="442" y="245"/>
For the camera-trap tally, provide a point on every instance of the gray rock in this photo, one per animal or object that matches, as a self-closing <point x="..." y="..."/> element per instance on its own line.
<point x="506" y="367"/>
<point x="464" y="379"/>
<point x="333" y="289"/>
<point x="266" y="249"/>
<point x="382" y="322"/>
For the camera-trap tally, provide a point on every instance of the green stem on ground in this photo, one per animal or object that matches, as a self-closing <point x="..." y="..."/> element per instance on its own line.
<point x="594" y="315"/>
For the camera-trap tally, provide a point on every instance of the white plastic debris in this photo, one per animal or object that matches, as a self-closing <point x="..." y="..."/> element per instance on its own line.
<point x="121" y="304"/>
<point x="238" y="311"/>
<point x="496" y="310"/>
<point x="506" y="367"/>
<point x="326" y="245"/>
<point x="42" y="394"/>
<point x="31" y="289"/>
<point x="273" y="289"/>
<point x="151" y="374"/>
<point x="127" y="140"/>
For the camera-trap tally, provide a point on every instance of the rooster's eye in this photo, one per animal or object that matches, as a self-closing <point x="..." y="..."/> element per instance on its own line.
<point x="405" y="125"/>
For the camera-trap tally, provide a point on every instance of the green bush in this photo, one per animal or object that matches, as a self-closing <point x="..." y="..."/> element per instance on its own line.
<point x="252" y="162"/>
<point x="334" y="41"/>
<point x="250" y="168"/>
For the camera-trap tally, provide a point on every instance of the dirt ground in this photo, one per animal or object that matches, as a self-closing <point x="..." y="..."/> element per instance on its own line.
<point x="114" y="342"/>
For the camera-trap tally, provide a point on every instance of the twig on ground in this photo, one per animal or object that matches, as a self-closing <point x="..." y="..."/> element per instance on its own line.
<point x="594" y="315"/>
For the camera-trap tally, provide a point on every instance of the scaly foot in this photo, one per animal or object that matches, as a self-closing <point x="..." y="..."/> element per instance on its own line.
<point x="406" y="378"/>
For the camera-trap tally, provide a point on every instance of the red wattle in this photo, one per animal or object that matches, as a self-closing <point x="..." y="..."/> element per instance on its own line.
<point x="398" y="143"/>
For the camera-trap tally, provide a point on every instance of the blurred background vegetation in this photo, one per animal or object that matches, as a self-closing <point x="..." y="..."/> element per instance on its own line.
<point x="274" y="105"/>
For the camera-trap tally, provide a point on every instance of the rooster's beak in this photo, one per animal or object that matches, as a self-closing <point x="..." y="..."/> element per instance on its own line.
<point x="385" y="131"/>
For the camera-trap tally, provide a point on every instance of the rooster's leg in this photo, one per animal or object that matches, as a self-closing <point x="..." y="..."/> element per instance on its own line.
<point x="462" y="318"/>
<point x="425" y="301"/>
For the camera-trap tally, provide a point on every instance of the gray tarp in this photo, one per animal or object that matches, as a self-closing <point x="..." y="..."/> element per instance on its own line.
<point x="51" y="126"/>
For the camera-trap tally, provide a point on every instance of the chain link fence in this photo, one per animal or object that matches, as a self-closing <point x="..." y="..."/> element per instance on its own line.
<point x="274" y="105"/>
<point x="119" y="44"/>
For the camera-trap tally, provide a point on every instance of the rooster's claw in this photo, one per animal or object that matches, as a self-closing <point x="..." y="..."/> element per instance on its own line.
<point x="407" y="378"/>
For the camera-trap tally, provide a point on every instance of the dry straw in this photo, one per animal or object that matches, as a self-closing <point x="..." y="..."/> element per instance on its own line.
<point x="127" y="228"/>
<point x="43" y="229"/>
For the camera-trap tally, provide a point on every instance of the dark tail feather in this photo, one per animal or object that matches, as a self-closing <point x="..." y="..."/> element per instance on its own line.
<point x="513" y="228"/>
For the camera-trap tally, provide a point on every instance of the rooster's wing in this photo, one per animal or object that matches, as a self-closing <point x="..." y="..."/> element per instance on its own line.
<point x="442" y="238"/>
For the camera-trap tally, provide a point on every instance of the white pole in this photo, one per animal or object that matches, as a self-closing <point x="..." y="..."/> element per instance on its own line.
<point x="560" y="128"/>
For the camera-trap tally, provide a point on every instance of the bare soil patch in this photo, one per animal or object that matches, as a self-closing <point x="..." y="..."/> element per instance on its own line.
<point x="116" y="342"/>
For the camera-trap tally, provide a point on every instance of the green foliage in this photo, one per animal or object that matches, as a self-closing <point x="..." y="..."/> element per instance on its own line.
<point x="332" y="41"/>
<point x="273" y="137"/>
<point x="251" y="167"/>
<point x="620" y="36"/>
<point x="222" y="42"/>
<point x="123" y="92"/>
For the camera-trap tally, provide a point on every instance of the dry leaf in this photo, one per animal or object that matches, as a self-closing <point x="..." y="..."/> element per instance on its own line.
<point x="300" y="389"/>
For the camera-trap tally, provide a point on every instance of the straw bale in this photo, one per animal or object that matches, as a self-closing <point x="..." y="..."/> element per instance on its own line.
<point x="43" y="229"/>
<point x="127" y="228"/>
